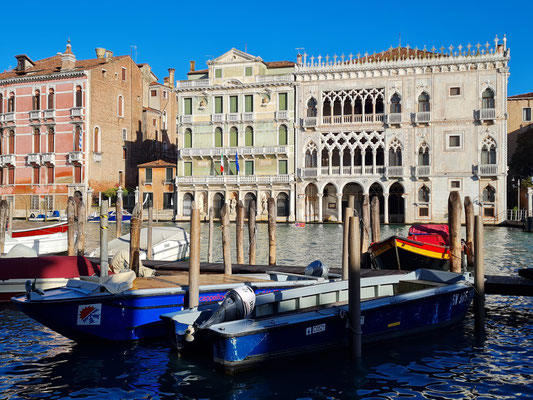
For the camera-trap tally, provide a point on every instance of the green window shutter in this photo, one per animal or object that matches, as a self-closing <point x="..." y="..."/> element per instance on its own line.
<point x="148" y="174"/>
<point x="282" y="101"/>
<point x="218" y="137"/>
<point x="232" y="168"/>
<point x="188" y="106"/>
<point x="249" y="103"/>
<point x="233" y="104"/>
<point x="187" y="171"/>
<point x="218" y="73"/>
<point x="216" y="170"/>
<point x="248" y="71"/>
<point x="282" y="170"/>
<point x="282" y="135"/>
<point x="249" y="167"/>
<point x="218" y="105"/>
<point x="169" y="175"/>
<point x="233" y="137"/>
<point x="188" y="139"/>
<point x="249" y="136"/>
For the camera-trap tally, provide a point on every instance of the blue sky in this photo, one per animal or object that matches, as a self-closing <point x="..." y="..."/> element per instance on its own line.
<point x="169" y="34"/>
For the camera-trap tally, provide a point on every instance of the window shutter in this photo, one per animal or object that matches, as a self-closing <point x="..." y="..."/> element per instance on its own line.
<point x="283" y="101"/>
<point x="282" y="167"/>
<point x="233" y="104"/>
<point x="249" y="103"/>
<point x="218" y="105"/>
<point x="249" y="137"/>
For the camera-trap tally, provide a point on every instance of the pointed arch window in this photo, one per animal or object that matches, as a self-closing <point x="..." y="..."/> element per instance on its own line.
<point x="311" y="107"/>
<point x="489" y="194"/>
<point x="11" y="102"/>
<point x="487" y="99"/>
<point x="37" y="100"/>
<point x="51" y="99"/>
<point x="50" y="140"/>
<point x="395" y="104"/>
<point x="36" y="141"/>
<point x="488" y="151"/>
<point x="120" y="106"/>
<point x="395" y="154"/>
<point x="423" y="155"/>
<point x="79" y="96"/>
<point x="423" y="102"/>
<point x="423" y="194"/>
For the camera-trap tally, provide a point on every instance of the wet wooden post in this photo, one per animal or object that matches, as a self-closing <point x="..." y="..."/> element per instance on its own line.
<point x="469" y="219"/>
<point x="251" y="233"/>
<point x="374" y="216"/>
<point x="104" y="216"/>
<point x="272" y="215"/>
<point x="210" y="237"/>
<point x="479" y="275"/>
<point x="119" y="205"/>
<point x="82" y="219"/>
<point x="354" y="287"/>
<point x="348" y="212"/>
<point x="226" y="246"/>
<point x="454" y="223"/>
<point x="149" y="249"/>
<point x="194" y="258"/>
<point x="239" y="223"/>
<point x="71" y="213"/>
<point x="135" y="237"/>
<point x="365" y="236"/>
<point x="3" y="219"/>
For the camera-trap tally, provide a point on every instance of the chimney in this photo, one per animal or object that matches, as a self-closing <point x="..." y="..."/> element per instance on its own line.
<point x="108" y="55"/>
<point x="100" y="52"/>
<point x="171" y="77"/>
<point x="23" y="62"/>
<point x="68" y="59"/>
<point x="165" y="81"/>
<point x="192" y="66"/>
<point x="299" y="59"/>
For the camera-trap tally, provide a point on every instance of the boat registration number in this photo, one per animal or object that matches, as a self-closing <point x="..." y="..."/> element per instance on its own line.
<point x="310" y="330"/>
<point x="460" y="298"/>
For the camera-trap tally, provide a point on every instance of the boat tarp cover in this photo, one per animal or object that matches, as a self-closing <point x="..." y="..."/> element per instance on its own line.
<point x="430" y="233"/>
<point x="46" y="267"/>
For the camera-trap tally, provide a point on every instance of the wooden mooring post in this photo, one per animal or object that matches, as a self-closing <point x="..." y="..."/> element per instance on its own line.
<point x="374" y="217"/>
<point x="103" y="239"/>
<point x="10" y="217"/>
<point x="119" y="206"/>
<point x="354" y="287"/>
<point x="135" y="237"/>
<point x="82" y="219"/>
<point x="469" y="219"/>
<point x="210" y="234"/>
<point x="272" y="216"/>
<point x="149" y="243"/>
<point x="239" y="230"/>
<point x="348" y="212"/>
<point x="479" y="275"/>
<point x="71" y="223"/>
<point x="454" y="224"/>
<point x="194" y="258"/>
<point x="251" y="233"/>
<point x="226" y="245"/>
<point x="4" y="210"/>
<point x="365" y="236"/>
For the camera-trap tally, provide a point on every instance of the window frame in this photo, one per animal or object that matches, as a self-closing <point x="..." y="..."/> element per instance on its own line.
<point x="524" y="109"/>
<point x="454" y="148"/>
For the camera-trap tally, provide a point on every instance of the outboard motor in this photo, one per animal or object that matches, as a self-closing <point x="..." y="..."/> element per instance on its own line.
<point x="317" y="268"/>
<point x="237" y="304"/>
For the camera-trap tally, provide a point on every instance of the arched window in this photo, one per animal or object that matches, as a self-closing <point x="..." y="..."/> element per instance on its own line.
<point x="395" y="154"/>
<point x="423" y="154"/>
<point x="79" y="96"/>
<point x="249" y="136"/>
<point x="282" y="138"/>
<point x="78" y="139"/>
<point x="187" y="140"/>
<point x="233" y="137"/>
<point x="1" y="103"/>
<point x="11" y="142"/>
<point x="11" y="102"/>
<point x="219" y="141"/>
<point x="489" y="194"/>
<point x="120" y="106"/>
<point x="187" y="204"/>
<point x="326" y="108"/>
<point x="37" y="100"/>
<point x="488" y="151"/>
<point x="50" y="99"/>
<point x="50" y="140"/>
<point x="36" y="141"/>
<point x="379" y="105"/>
<point x="380" y="156"/>
<point x="487" y="99"/>
<point x="423" y="102"/>
<point x="311" y="107"/>
<point x="311" y="155"/>
<point x="423" y="194"/>
<point x="282" y="205"/>
<point x="395" y="104"/>
<point x="96" y="137"/>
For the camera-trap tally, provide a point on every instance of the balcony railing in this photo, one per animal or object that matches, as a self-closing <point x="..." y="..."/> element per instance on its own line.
<point x="230" y="151"/>
<point x="423" y="117"/>
<point x="394" y="118"/>
<point x="310" y="121"/>
<point x="186" y="119"/>
<point x="487" y="170"/>
<point x="49" y="158"/>
<point x="217" y="117"/>
<point x="486" y="114"/>
<point x="75" y="157"/>
<point x="248" y="116"/>
<point x="34" y="158"/>
<point x="274" y="78"/>
<point x="97" y="157"/>
<point x="280" y="115"/>
<point x="8" y="159"/>
<point x="9" y="117"/>
<point x="345" y="170"/>
<point x="193" y="83"/>
<point x="353" y="119"/>
<point x="49" y="114"/>
<point x="235" y="179"/>
<point x="35" y="115"/>
<point x="422" y="171"/>
<point x="233" y="117"/>
<point x="76" y="112"/>
<point x="394" y="171"/>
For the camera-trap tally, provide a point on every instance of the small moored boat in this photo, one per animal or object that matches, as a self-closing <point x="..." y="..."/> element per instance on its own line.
<point x="50" y="239"/>
<point x="112" y="216"/>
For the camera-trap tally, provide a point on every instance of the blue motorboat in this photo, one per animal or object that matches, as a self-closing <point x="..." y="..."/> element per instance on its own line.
<point x="87" y="309"/>
<point x="112" y="216"/>
<point x="308" y="319"/>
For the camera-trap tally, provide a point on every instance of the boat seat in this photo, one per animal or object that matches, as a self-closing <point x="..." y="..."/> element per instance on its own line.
<point x="406" y="286"/>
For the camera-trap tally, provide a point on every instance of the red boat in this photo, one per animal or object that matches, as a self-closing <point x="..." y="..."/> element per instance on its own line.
<point x="47" y="272"/>
<point x="43" y="230"/>
<point x="426" y="246"/>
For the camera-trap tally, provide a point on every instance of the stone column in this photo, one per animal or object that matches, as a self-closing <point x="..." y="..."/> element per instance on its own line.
<point x="530" y="201"/>
<point x="291" y="205"/>
<point x="339" y="207"/>
<point x="386" y="208"/>
<point x="320" y="195"/>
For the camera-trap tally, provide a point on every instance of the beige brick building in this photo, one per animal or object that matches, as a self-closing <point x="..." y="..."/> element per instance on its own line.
<point x="519" y="120"/>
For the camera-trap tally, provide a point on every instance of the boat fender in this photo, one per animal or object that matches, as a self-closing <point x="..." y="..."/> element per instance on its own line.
<point x="317" y="268"/>
<point x="238" y="303"/>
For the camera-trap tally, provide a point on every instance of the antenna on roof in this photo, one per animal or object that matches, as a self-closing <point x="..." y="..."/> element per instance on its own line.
<point x="133" y="46"/>
<point x="400" y="40"/>
<point x="300" y="50"/>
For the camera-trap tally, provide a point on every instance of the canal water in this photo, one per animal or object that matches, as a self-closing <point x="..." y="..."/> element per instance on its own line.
<point x="37" y="363"/>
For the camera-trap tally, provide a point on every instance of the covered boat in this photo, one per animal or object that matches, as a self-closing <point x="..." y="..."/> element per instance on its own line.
<point x="111" y="216"/>
<point x="313" y="318"/>
<point x="50" y="239"/>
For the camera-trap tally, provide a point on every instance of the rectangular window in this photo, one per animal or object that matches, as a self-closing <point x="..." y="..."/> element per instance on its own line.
<point x="233" y="104"/>
<point x="423" y="211"/>
<point x="50" y="176"/>
<point x="249" y="167"/>
<point x="123" y="73"/>
<point x="218" y="105"/>
<point x="218" y="73"/>
<point x="283" y="102"/>
<point x="282" y="167"/>
<point x="488" y="211"/>
<point x="455" y="184"/>
<point x="165" y="94"/>
<point x="148" y="175"/>
<point x="454" y="141"/>
<point x="124" y="153"/>
<point x="36" y="175"/>
<point x="34" y="202"/>
<point x="167" y="200"/>
<point x="11" y="176"/>
<point x="124" y="134"/>
<point x="248" y="71"/>
<point x="153" y="93"/>
<point x="154" y="122"/>
<point x="169" y="175"/>
<point x="77" y="174"/>
<point x="249" y="103"/>
<point x="187" y="106"/>
<point x="187" y="169"/>
<point x="455" y="91"/>
<point x="526" y="114"/>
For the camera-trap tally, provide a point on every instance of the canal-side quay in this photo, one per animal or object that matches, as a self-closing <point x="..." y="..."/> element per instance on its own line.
<point x="40" y="363"/>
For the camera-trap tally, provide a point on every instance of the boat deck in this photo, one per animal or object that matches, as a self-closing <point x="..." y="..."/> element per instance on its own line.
<point x="180" y="278"/>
